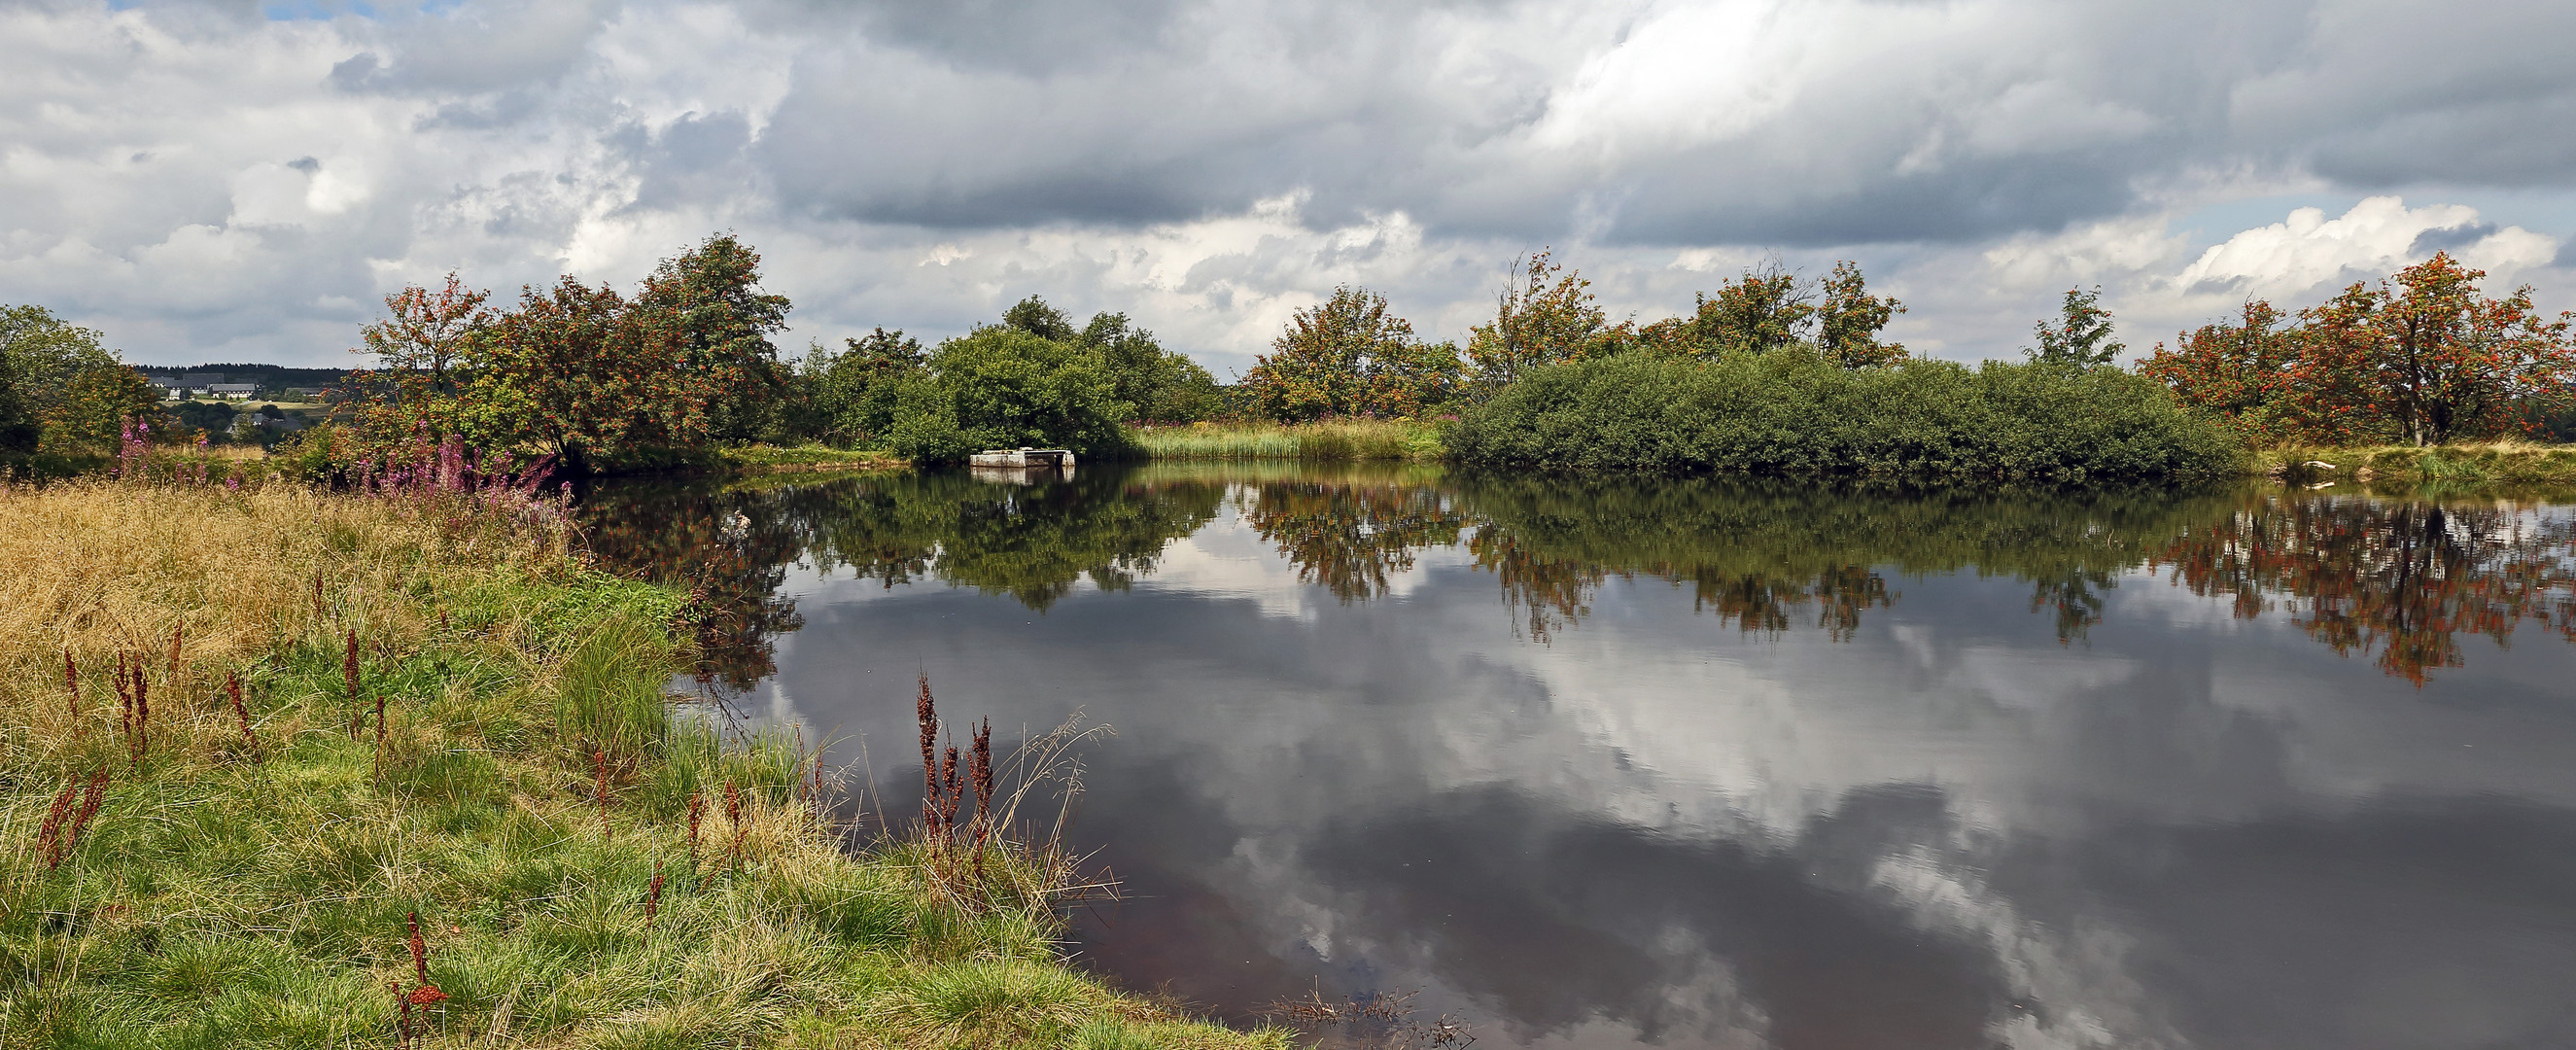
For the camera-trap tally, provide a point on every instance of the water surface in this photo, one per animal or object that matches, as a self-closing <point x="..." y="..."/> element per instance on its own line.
<point x="1686" y="762"/>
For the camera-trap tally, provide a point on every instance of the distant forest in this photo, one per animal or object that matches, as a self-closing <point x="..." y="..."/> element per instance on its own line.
<point x="269" y="377"/>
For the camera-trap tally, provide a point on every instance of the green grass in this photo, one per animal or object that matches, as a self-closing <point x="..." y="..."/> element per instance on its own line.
<point x="1333" y="441"/>
<point x="2477" y="463"/>
<point x="234" y="893"/>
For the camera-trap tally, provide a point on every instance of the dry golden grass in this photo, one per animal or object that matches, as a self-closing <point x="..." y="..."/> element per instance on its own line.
<point x="99" y="569"/>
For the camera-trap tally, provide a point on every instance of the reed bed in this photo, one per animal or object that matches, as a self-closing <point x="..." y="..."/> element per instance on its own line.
<point x="282" y="768"/>
<point x="1330" y="441"/>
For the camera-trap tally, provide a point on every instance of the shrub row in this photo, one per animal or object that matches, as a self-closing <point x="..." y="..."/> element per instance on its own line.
<point x="1790" y="413"/>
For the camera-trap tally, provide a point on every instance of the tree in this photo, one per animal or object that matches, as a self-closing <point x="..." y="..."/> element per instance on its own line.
<point x="585" y="375"/>
<point x="724" y="321"/>
<point x="1034" y="316"/>
<point x="1849" y="319"/>
<point x="1768" y="308"/>
<point x="850" y="394"/>
<point x="1005" y="387"/>
<point x="2082" y="334"/>
<point x="2428" y="359"/>
<point x="1545" y="315"/>
<point x="427" y="332"/>
<point x="95" y="409"/>
<point x="2238" y="371"/>
<point x="1161" y="386"/>
<point x="1349" y="356"/>
<point x="69" y="392"/>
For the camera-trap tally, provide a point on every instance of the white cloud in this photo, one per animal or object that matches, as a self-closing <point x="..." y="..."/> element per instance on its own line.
<point x="204" y="184"/>
<point x="2308" y="251"/>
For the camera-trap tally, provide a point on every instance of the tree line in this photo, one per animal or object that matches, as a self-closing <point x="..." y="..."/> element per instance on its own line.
<point x="603" y="378"/>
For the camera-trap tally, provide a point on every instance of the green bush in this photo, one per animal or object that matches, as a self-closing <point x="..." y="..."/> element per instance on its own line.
<point x="1789" y="413"/>
<point x="1004" y="388"/>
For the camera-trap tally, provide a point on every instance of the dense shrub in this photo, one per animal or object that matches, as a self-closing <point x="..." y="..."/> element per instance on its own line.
<point x="1003" y="387"/>
<point x="1792" y="413"/>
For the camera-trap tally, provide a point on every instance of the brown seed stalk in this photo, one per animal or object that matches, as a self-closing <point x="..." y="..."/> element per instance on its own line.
<point x="953" y="790"/>
<point x="697" y="808"/>
<point x="653" y="895"/>
<point x="241" y="713"/>
<point x="979" y="773"/>
<point x="176" y="635"/>
<point x="733" y="819"/>
<point x="70" y="840"/>
<point x="926" y="711"/>
<point x="49" y="834"/>
<point x="402" y="1032"/>
<point x="419" y="948"/>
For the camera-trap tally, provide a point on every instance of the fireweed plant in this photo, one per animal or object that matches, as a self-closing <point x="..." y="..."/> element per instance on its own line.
<point x="511" y="852"/>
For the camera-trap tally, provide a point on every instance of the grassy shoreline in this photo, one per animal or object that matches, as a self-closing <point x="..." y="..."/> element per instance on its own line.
<point x="247" y="875"/>
<point x="2489" y="462"/>
<point x="1328" y="441"/>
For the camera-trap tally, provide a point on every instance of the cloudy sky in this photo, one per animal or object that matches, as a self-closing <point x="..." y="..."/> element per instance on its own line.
<point x="238" y="181"/>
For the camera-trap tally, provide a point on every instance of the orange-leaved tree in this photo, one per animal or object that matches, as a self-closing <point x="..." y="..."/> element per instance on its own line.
<point x="1350" y="356"/>
<point x="2238" y="371"/>
<point x="2426" y="358"/>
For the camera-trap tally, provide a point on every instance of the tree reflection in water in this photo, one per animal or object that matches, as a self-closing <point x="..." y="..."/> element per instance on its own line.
<point x="2402" y="579"/>
<point x="731" y="544"/>
<point x="2399" y="579"/>
<point x="1348" y="536"/>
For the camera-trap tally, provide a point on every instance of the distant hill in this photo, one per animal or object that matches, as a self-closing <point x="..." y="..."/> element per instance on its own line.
<point x="273" y="380"/>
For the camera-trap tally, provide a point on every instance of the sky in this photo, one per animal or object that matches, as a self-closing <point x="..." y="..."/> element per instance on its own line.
<point x="227" y="181"/>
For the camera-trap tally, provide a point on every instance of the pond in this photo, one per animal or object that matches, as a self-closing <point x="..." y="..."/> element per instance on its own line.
<point x="1602" y="762"/>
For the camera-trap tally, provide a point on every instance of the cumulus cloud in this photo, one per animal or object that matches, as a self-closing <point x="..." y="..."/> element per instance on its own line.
<point x="2380" y="234"/>
<point x="205" y="182"/>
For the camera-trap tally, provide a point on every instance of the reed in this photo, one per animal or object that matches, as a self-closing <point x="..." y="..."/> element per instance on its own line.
<point x="1328" y="441"/>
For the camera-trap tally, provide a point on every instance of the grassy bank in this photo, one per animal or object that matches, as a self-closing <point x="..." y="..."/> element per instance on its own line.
<point x="177" y="869"/>
<point x="1336" y="441"/>
<point x="2499" y="462"/>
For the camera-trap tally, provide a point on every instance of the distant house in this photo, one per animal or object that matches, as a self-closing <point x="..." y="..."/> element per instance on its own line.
<point x="233" y="391"/>
<point x="169" y="386"/>
<point x="303" y="393"/>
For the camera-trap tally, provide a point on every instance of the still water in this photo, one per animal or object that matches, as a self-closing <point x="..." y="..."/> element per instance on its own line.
<point x="1687" y="762"/>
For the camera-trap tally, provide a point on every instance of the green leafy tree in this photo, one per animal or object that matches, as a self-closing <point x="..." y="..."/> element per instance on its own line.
<point x="724" y="320"/>
<point x="1005" y="387"/>
<point x="70" y="392"/>
<point x="1350" y="356"/>
<point x="1545" y="315"/>
<point x="1161" y="385"/>
<point x="1768" y="308"/>
<point x="1034" y="316"/>
<point x="2081" y="336"/>
<point x="848" y="397"/>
